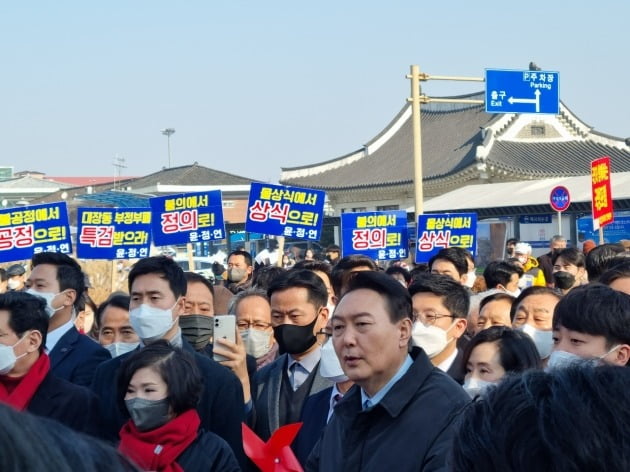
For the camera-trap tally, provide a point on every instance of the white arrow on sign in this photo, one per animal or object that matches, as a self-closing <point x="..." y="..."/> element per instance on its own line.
<point x="536" y="100"/>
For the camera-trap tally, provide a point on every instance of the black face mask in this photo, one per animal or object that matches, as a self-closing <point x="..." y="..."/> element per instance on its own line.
<point x="295" y="339"/>
<point x="563" y="280"/>
<point x="197" y="330"/>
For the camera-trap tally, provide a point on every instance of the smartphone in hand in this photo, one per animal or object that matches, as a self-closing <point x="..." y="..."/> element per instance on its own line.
<point x="224" y="328"/>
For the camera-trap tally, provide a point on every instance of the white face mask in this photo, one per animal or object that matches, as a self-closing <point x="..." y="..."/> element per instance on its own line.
<point x="542" y="339"/>
<point x="329" y="365"/>
<point x="257" y="342"/>
<point x="475" y="387"/>
<point x="48" y="298"/>
<point x="151" y="323"/>
<point x="514" y="293"/>
<point x="8" y="357"/>
<point x="118" y="349"/>
<point x="431" y="339"/>
<point x="331" y="308"/>
<point x="13" y="283"/>
<point x="470" y="279"/>
<point x="563" y="359"/>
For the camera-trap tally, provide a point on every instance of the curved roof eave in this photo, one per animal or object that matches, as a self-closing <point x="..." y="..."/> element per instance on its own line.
<point x="429" y="107"/>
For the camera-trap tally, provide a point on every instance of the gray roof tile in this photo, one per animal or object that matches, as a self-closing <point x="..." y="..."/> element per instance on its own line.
<point x="450" y="136"/>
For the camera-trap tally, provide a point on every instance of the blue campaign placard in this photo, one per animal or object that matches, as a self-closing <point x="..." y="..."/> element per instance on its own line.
<point x="380" y="235"/>
<point x="187" y="218"/>
<point x="440" y="230"/>
<point x="113" y="233"/>
<point x="285" y="211"/>
<point x="522" y="91"/>
<point x="28" y="230"/>
<point x="613" y="233"/>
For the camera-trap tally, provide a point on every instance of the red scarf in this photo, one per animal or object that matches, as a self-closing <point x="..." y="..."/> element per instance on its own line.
<point x="157" y="449"/>
<point x="21" y="395"/>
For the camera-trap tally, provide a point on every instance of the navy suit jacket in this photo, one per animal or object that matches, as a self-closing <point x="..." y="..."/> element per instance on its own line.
<point x="314" y="420"/>
<point x="75" y="357"/>
<point x="67" y="403"/>
<point x="221" y="407"/>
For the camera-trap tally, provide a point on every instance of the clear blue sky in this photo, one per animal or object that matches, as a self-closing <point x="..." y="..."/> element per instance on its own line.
<point x="252" y="86"/>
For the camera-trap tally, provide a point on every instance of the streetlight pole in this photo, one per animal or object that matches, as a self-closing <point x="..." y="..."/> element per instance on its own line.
<point x="417" y="139"/>
<point x="167" y="132"/>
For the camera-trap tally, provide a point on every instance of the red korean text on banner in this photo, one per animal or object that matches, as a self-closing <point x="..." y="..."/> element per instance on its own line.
<point x="602" y="202"/>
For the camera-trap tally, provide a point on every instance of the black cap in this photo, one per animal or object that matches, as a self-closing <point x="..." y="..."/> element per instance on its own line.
<point x="333" y="248"/>
<point x="15" y="269"/>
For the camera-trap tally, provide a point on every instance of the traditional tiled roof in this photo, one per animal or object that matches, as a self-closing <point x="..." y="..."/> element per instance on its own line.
<point x="541" y="160"/>
<point x="462" y="143"/>
<point x="189" y="175"/>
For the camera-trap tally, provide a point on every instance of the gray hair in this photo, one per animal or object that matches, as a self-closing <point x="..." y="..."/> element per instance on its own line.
<point x="240" y="296"/>
<point x="557" y="237"/>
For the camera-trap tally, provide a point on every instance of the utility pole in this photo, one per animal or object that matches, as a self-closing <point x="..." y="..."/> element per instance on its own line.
<point x="416" y="99"/>
<point x="168" y="132"/>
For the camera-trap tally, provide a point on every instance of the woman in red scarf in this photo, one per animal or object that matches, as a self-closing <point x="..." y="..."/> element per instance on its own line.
<point x="160" y="386"/>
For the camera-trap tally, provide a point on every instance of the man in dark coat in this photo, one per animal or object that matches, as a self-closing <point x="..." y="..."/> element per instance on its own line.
<point x="27" y="383"/>
<point x="298" y="313"/>
<point x="59" y="280"/>
<point x="556" y="244"/>
<point x="400" y="413"/>
<point x="157" y="287"/>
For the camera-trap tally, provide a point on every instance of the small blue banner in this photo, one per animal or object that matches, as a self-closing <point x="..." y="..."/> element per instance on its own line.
<point x="534" y="219"/>
<point x="380" y="235"/>
<point x="437" y="231"/>
<point x="187" y="218"/>
<point x="28" y="230"/>
<point x="285" y="211"/>
<point x="113" y="233"/>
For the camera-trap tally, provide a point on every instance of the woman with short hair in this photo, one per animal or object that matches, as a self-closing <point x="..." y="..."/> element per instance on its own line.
<point x="160" y="387"/>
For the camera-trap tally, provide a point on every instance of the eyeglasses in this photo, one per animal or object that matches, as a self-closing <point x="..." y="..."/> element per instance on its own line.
<point x="429" y="318"/>
<point x="325" y="332"/>
<point x="261" y="325"/>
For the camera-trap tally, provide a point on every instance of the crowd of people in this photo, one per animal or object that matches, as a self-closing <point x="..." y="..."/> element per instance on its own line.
<point x="436" y="367"/>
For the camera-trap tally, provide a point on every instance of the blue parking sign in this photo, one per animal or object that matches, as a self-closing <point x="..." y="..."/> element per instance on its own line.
<point x="522" y="91"/>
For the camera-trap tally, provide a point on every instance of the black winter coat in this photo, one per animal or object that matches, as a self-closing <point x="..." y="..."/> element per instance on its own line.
<point x="410" y="429"/>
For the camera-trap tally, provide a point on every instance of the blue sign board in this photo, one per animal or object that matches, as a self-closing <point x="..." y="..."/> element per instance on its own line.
<point x="285" y="211"/>
<point x="613" y="232"/>
<point x="187" y="218"/>
<point x="28" y="230"/>
<point x="380" y="235"/>
<point x="534" y="219"/>
<point x="437" y="231"/>
<point x="522" y="91"/>
<point x="559" y="198"/>
<point x="113" y="233"/>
